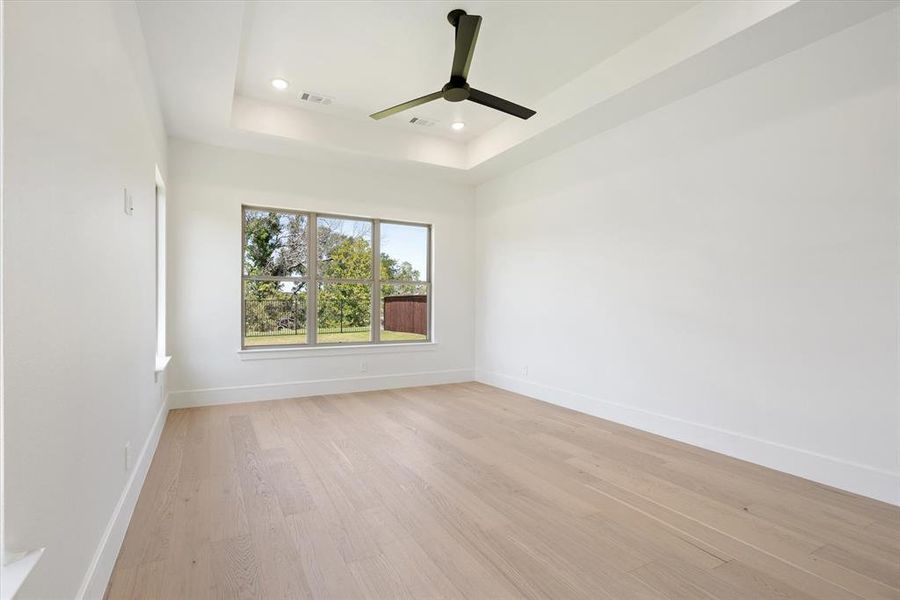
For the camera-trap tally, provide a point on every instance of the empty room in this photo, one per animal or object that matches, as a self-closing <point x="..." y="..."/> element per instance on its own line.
<point x="484" y="300"/>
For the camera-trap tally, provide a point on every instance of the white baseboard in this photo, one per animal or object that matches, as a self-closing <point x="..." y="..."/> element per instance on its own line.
<point x="873" y="482"/>
<point x="97" y="577"/>
<point x="313" y="387"/>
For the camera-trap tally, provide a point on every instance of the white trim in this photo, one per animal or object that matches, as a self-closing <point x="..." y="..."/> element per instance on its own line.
<point x="93" y="586"/>
<point x="3" y="549"/>
<point x="161" y="363"/>
<point x="313" y="387"/>
<point x="161" y="227"/>
<point x="874" y="482"/>
<point x="14" y="573"/>
<point x="324" y="350"/>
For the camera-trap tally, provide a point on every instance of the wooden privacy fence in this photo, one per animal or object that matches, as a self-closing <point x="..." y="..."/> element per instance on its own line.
<point x="408" y="314"/>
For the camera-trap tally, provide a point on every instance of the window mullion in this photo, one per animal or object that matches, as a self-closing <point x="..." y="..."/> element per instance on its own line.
<point x="376" y="282"/>
<point x="271" y="278"/>
<point x="429" y="306"/>
<point x="312" y="278"/>
<point x="350" y="281"/>
<point x="243" y="337"/>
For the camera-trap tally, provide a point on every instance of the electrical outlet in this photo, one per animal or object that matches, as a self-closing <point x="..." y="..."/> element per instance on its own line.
<point x="128" y="456"/>
<point x="525" y="371"/>
<point x="363" y="367"/>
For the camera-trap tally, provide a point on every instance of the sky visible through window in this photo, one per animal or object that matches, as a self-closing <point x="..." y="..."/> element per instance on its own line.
<point x="407" y="243"/>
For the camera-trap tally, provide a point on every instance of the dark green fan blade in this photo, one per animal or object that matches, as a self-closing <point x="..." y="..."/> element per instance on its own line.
<point x="466" y="36"/>
<point x="406" y="105"/>
<point x="500" y="104"/>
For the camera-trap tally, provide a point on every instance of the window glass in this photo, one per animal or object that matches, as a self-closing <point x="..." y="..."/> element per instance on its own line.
<point x="344" y="313"/>
<point x="275" y="243"/>
<point x="274" y="312"/>
<point x="344" y="248"/>
<point x="404" y="252"/>
<point x="404" y="312"/>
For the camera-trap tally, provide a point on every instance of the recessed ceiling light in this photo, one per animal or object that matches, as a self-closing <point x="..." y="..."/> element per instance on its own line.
<point x="279" y="83"/>
<point x="457" y="125"/>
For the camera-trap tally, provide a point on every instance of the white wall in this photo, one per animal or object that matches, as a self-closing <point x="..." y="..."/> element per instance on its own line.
<point x="81" y="124"/>
<point x="208" y="186"/>
<point x="723" y="270"/>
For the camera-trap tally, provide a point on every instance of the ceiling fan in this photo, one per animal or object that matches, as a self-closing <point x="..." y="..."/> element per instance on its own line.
<point x="457" y="90"/>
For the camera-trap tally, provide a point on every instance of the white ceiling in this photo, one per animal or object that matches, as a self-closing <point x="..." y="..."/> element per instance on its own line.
<point x="585" y="67"/>
<point x="372" y="55"/>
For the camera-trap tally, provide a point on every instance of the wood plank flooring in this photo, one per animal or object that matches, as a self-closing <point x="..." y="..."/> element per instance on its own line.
<point x="467" y="491"/>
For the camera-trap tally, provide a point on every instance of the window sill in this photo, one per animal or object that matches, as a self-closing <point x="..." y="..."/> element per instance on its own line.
<point x="317" y="351"/>
<point x="14" y="573"/>
<point x="161" y="363"/>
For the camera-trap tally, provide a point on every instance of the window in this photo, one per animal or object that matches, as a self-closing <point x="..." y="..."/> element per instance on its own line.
<point x="316" y="279"/>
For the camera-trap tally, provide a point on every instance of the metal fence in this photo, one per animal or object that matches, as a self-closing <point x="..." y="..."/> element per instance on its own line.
<point x="284" y="316"/>
<point x="274" y="316"/>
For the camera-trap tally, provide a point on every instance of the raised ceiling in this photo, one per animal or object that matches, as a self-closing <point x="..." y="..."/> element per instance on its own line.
<point x="584" y="66"/>
<point x="372" y="55"/>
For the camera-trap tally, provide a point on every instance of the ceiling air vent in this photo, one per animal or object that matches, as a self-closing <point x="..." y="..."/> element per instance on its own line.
<point x="422" y="122"/>
<point x="314" y="98"/>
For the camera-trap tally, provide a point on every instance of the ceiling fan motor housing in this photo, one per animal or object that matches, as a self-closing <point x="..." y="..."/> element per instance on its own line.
<point x="456" y="90"/>
<point x="454" y="15"/>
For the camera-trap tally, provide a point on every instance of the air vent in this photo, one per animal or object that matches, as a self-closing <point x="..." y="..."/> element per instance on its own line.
<point x="314" y="98"/>
<point x="422" y="122"/>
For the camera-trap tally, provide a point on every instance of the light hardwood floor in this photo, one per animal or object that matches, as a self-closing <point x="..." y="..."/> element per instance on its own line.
<point x="467" y="491"/>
